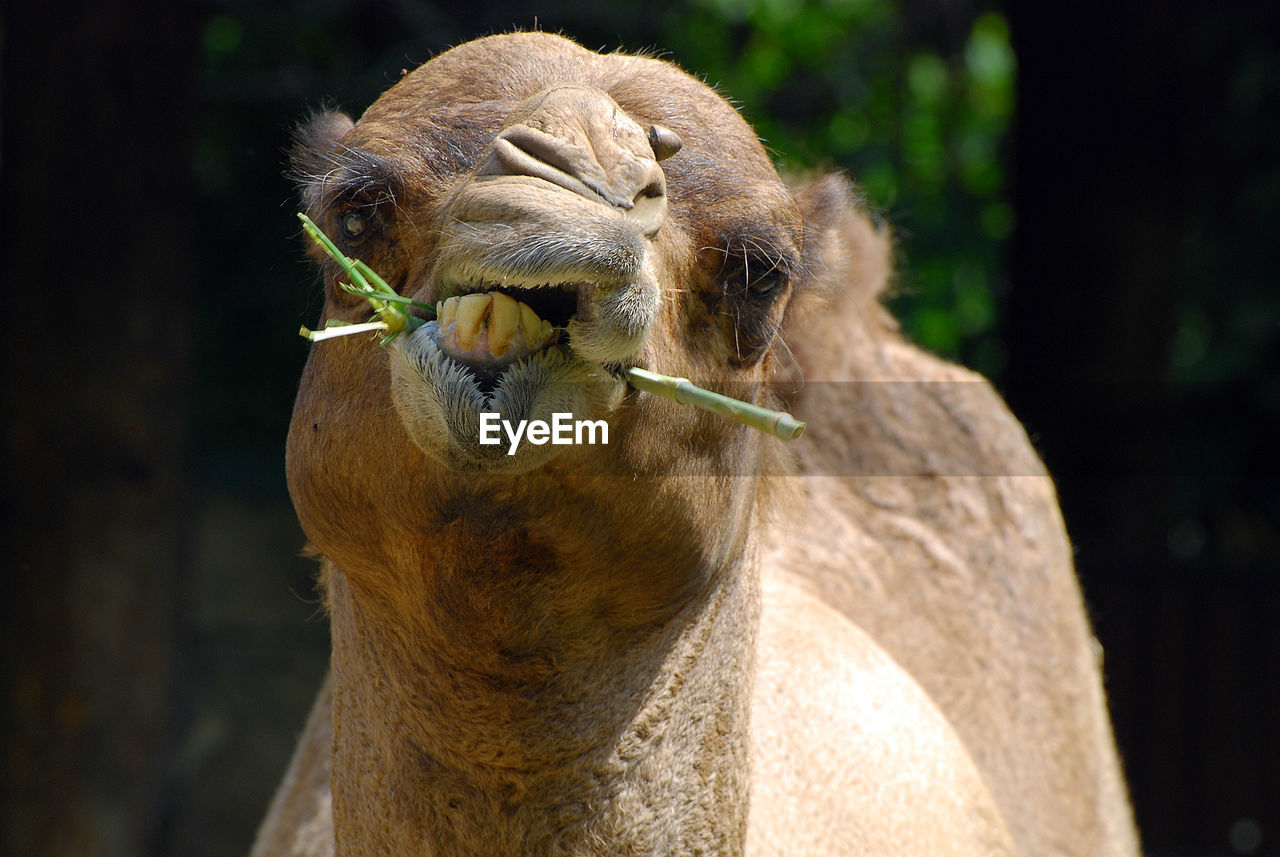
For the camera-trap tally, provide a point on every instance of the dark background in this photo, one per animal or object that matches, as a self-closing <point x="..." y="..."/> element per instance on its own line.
<point x="1086" y="202"/>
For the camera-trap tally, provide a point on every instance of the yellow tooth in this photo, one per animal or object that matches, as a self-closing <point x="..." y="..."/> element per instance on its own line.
<point x="530" y="324"/>
<point x="546" y="333"/>
<point x="470" y="318"/>
<point x="447" y="311"/>
<point x="503" y="319"/>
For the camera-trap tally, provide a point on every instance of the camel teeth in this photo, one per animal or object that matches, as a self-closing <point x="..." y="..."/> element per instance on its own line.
<point x="447" y="311"/>
<point x="530" y="324"/>
<point x="472" y="310"/>
<point x="504" y="318"/>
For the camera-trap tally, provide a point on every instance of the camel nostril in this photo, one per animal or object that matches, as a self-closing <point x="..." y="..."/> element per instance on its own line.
<point x="580" y="140"/>
<point x="664" y="142"/>
<point x="654" y="189"/>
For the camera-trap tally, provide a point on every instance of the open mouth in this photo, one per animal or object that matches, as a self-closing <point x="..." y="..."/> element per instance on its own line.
<point x="489" y="328"/>
<point x="524" y="351"/>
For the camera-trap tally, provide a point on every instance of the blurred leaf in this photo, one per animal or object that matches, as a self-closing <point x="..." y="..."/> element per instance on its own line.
<point x="990" y="62"/>
<point x="927" y="79"/>
<point x="920" y="126"/>
<point x="222" y="35"/>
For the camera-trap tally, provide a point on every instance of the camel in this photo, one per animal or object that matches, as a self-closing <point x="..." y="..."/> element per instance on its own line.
<point x="694" y="638"/>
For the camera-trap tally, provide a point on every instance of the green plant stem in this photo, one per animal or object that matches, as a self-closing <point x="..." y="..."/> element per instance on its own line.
<point x="682" y="390"/>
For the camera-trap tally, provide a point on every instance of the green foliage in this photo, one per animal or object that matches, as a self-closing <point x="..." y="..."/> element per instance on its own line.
<point x="920" y="126"/>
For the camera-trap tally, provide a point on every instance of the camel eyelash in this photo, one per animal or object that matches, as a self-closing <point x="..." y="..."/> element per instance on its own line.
<point x="357" y="178"/>
<point x="752" y="273"/>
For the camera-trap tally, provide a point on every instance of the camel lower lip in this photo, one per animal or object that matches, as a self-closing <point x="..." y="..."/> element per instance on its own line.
<point x="442" y="399"/>
<point x="516" y="370"/>
<point x="480" y="359"/>
<point x="489" y="373"/>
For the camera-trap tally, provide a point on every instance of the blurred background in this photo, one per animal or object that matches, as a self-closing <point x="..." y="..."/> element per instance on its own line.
<point x="1086" y="202"/>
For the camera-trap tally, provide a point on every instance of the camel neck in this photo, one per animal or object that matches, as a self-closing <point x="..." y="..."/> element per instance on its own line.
<point x="540" y="730"/>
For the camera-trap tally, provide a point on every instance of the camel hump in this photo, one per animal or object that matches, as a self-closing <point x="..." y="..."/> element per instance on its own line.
<point x="849" y="754"/>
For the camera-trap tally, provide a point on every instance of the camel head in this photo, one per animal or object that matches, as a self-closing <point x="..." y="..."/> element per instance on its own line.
<point x="571" y="215"/>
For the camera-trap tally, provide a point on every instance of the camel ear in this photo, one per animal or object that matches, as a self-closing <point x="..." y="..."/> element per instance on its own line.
<point x="313" y="154"/>
<point x="848" y="252"/>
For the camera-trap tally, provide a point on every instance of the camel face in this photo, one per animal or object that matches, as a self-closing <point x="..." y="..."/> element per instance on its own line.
<point x="516" y="184"/>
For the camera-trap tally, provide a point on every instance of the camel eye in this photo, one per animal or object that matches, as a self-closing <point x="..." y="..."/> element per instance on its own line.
<point x="354" y="223"/>
<point x="753" y="276"/>
<point x="765" y="286"/>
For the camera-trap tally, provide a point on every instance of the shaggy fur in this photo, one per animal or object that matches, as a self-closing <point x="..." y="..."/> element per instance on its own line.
<point x="683" y="642"/>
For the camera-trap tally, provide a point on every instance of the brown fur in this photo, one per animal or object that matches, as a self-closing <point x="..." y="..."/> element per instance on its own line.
<point x="666" y="645"/>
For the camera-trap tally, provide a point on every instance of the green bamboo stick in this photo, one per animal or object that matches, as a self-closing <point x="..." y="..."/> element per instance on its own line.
<point x="778" y="423"/>
<point x="388" y="305"/>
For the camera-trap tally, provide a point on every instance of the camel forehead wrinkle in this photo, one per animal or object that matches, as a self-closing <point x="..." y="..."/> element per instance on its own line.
<point x="571" y="106"/>
<point x="578" y="137"/>
<point x="586" y="117"/>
